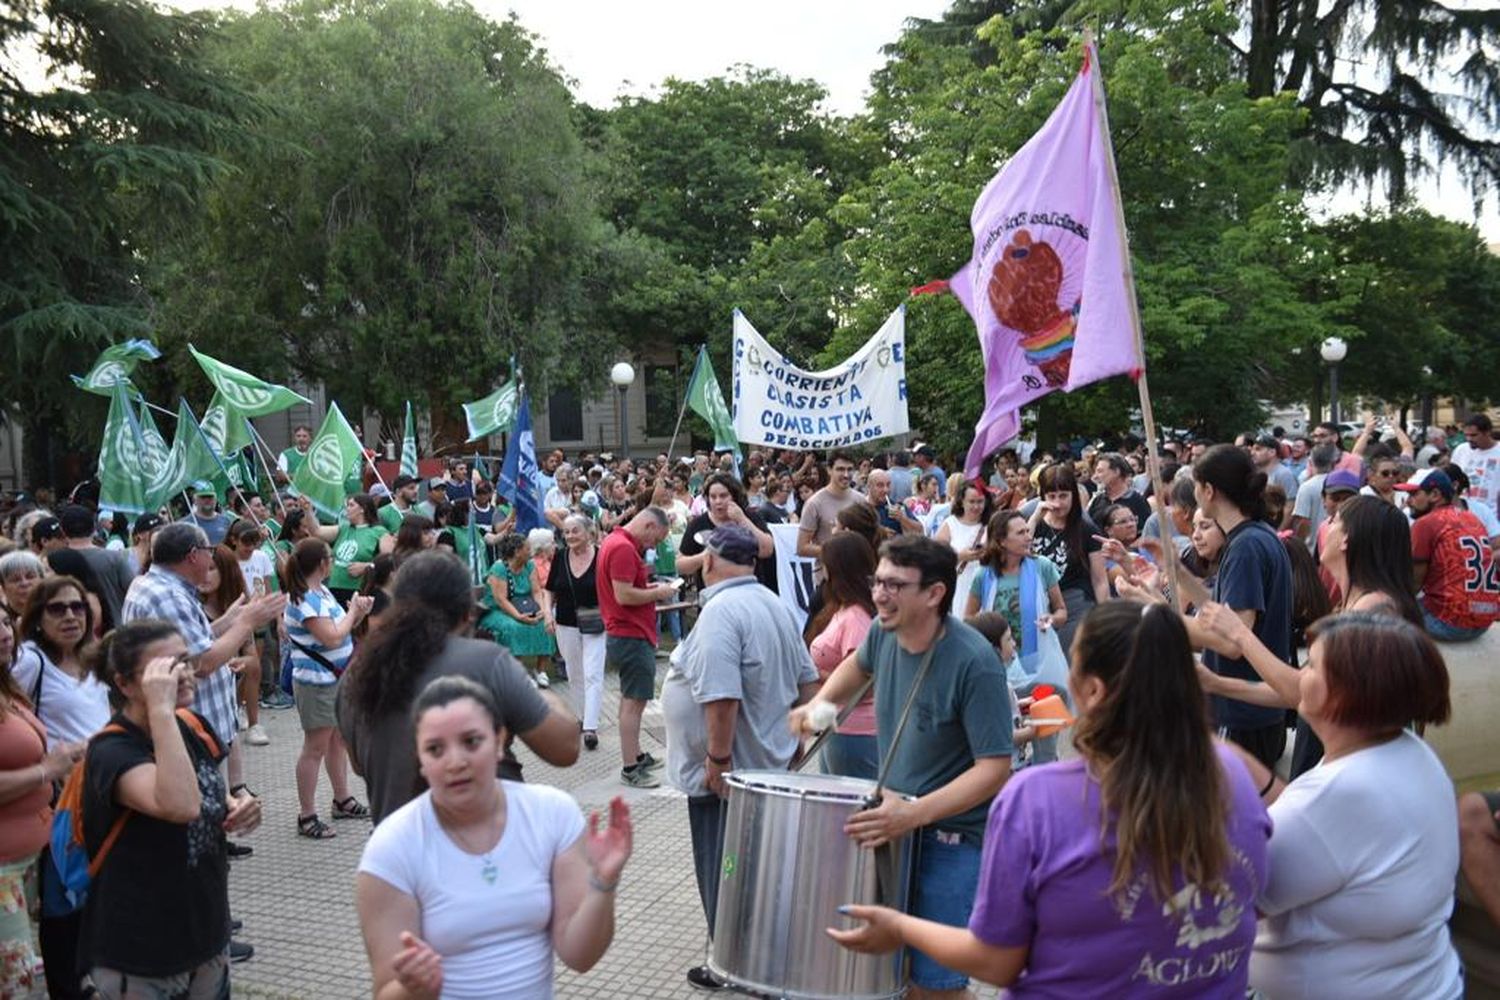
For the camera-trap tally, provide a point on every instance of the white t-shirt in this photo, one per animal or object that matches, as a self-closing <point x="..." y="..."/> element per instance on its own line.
<point x="257" y="567"/>
<point x="494" y="936"/>
<point x="1483" y="470"/>
<point x="70" y="710"/>
<point x="1363" y="860"/>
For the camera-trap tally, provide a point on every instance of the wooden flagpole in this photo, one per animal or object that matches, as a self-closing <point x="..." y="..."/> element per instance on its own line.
<point x="1148" y="418"/>
<point x="681" y="412"/>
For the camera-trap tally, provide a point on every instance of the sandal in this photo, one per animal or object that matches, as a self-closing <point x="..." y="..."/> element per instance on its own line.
<point x="350" y="808"/>
<point x="314" y="828"/>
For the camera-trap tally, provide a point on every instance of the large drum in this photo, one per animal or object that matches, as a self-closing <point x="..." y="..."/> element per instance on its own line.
<point x="788" y="866"/>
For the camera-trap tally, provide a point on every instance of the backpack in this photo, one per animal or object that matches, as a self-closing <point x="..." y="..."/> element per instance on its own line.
<point x="71" y="869"/>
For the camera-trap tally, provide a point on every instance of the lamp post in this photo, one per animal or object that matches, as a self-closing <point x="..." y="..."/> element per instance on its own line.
<point x="622" y="375"/>
<point x="1333" y="350"/>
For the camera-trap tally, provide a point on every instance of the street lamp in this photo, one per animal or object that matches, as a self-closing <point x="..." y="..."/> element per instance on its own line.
<point x="1333" y="350"/>
<point x="622" y="374"/>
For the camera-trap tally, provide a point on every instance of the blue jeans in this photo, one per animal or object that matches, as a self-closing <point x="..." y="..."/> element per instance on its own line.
<point x="1442" y="631"/>
<point x="947" y="878"/>
<point x="851" y="756"/>
<point x="706" y="821"/>
<point x="673" y="621"/>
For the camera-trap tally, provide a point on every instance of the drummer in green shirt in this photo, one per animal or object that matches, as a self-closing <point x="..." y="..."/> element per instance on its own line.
<point x="356" y="540"/>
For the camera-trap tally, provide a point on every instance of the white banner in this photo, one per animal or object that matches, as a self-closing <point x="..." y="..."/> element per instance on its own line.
<point x="794" y="573"/>
<point x="778" y="404"/>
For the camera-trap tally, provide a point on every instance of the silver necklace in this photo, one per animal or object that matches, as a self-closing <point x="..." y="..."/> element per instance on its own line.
<point x="487" y="870"/>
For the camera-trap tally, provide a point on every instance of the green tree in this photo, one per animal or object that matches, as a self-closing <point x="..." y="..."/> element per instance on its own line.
<point x="421" y="211"/>
<point x="129" y="130"/>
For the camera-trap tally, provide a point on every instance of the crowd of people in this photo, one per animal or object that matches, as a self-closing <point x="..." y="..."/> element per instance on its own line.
<point x="1258" y="593"/>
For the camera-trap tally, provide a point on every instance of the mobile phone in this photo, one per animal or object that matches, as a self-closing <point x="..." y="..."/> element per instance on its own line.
<point x="260" y="587"/>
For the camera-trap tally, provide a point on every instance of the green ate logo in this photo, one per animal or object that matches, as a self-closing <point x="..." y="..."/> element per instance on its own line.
<point x="325" y="460"/>
<point x="245" y="397"/>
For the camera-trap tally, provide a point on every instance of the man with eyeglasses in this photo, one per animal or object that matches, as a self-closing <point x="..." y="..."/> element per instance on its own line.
<point x="954" y="754"/>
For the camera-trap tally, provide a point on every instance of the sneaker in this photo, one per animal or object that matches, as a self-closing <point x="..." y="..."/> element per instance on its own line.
<point x="241" y="720"/>
<point x="701" y="977"/>
<point x="542" y="681"/>
<point x="649" y="762"/>
<point x="639" y="777"/>
<point x="256" y="736"/>
<point x="590" y="740"/>
<point x="277" y="700"/>
<point x="238" y="850"/>
<point x="239" y="951"/>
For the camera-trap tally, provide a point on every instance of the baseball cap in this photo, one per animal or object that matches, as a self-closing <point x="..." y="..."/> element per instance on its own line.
<point x="1341" y="480"/>
<point x="437" y="483"/>
<point x="403" y="480"/>
<point x="1268" y="441"/>
<point x="204" y="488"/>
<point x="46" y="529"/>
<point x="380" y="490"/>
<point x="589" y="501"/>
<point x="76" y="521"/>
<point x="146" y="522"/>
<point x="1428" y="479"/>
<point x="735" y="544"/>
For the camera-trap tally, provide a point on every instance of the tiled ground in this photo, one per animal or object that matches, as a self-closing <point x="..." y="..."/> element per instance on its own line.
<point x="296" y="895"/>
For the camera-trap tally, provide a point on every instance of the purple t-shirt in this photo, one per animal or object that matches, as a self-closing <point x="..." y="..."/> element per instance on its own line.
<point x="1045" y="884"/>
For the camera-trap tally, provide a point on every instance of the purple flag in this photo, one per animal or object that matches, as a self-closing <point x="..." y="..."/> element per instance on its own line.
<point x="1048" y="285"/>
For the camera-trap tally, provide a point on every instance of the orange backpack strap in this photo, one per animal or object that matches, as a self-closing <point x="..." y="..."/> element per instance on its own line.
<point x="114" y="830"/>
<point x="194" y="723"/>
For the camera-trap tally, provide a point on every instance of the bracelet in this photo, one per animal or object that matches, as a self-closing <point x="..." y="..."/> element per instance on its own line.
<point x="723" y="761"/>
<point x="604" y="887"/>
<point x="1269" y="782"/>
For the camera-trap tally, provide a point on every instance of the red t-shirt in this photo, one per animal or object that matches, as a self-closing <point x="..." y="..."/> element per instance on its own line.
<point x="1462" y="585"/>
<point x="620" y="559"/>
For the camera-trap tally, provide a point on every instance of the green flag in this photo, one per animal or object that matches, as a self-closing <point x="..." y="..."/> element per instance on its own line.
<point x="187" y="462"/>
<point x="251" y="396"/>
<point x="122" y="484"/>
<point x="156" y="461"/>
<point x="494" y="413"/>
<point x="409" y="445"/>
<point x="477" y="568"/>
<point x="707" y="401"/>
<point x="334" y="450"/>
<point x="224" y="426"/>
<point x="115" y="364"/>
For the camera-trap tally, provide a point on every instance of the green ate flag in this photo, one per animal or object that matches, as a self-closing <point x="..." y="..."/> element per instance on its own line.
<point x="122" y="482"/>
<point x="708" y="402"/>
<point x="251" y="396"/>
<point x="409" y="445"/>
<point x="115" y="365"/>
<point x="334" y="450"/>
<point x="494" y="413"/>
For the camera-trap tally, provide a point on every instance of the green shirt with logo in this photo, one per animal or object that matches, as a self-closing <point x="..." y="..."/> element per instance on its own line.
<point x="354" y="544"/>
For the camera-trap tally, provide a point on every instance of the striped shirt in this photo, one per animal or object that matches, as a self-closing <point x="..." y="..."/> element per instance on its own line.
<point x="318" y="603"/>
<point x="161" y="593"/>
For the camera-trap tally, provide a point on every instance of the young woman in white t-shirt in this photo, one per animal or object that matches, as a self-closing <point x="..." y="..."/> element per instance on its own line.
<point x="470" y="889"/>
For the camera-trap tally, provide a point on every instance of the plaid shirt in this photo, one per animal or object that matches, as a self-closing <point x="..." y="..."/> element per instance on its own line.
<point x="160" y="593"/>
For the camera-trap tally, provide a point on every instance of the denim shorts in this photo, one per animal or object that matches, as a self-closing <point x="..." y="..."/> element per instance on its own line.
<point x="946" y="880"/>
<point x="635" y="659"/>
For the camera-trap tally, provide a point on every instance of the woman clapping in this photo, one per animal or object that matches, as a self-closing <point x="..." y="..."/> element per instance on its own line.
<point x="470" y="889"/>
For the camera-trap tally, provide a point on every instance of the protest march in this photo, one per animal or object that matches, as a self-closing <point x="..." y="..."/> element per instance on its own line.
<point x="1147" y="712"/>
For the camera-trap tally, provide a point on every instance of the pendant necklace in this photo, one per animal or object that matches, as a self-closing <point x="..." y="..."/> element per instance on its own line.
<point x="488" y="870"/>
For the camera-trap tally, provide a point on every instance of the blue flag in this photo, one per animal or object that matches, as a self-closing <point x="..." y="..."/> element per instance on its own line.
<point x="518" y="474"/>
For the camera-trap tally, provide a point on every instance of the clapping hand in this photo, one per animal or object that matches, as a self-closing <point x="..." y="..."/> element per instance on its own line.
<point x="608" y="844"/>
<point x="1143" y="585"/>
<point x="265" y="609"/>
<point x="360" y="605"/>
<point x="418" y="968"/>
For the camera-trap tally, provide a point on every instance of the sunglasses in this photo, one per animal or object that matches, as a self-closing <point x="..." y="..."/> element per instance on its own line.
<point x="59" y="608"/>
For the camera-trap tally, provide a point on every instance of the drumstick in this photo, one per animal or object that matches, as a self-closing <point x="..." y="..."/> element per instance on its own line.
<point x="844" y="713"/>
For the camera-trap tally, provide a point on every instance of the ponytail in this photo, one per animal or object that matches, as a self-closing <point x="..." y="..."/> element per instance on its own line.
<point x="1150" y="746"/>
<point x="303" y="561"/>
<point x="1233" y="475"/>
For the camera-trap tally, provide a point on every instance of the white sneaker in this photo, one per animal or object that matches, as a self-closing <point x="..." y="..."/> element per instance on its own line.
<point x="241" y="720"/>
<point x="256" y="736"/>
<point x="542" y="681"/>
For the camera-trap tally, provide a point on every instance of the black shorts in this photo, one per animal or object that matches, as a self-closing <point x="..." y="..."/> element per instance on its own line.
<point x="1265" y="744"/>
<point x="635" y="659"/>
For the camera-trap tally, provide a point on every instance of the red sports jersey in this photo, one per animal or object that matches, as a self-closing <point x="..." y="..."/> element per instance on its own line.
<point x="1462" y="585"/>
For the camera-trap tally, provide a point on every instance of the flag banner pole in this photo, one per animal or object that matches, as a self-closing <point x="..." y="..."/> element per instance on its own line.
<point x="681" y="412"/>
<point x="1148" y="417"/>
<point x="260" y="444"/>
<point x="365" y="454"/>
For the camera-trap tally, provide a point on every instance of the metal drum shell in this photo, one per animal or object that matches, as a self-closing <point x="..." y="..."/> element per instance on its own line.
<point x="787" y="867"/>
